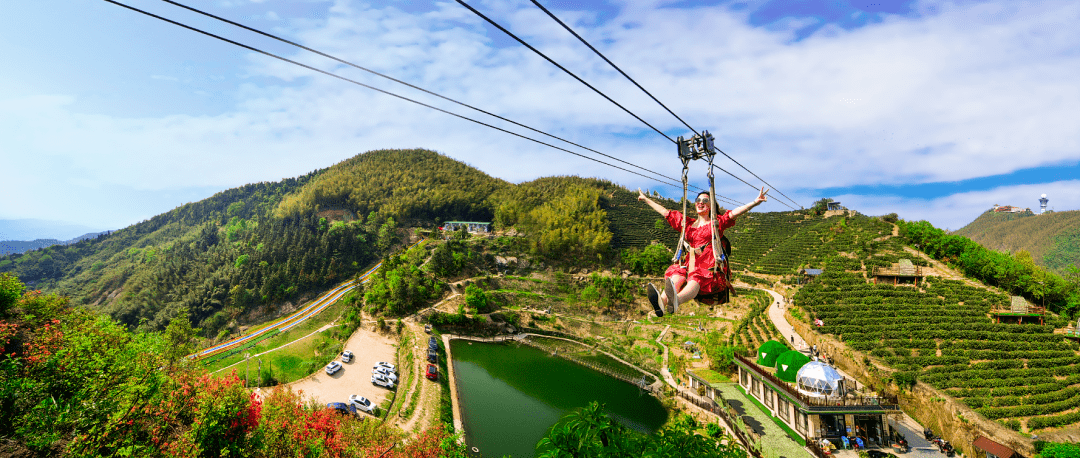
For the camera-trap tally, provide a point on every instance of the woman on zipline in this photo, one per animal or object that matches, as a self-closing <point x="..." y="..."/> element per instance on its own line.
<point x="697" y="276"/>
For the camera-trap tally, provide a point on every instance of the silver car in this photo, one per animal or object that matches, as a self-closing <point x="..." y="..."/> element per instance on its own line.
<point x="381" y="380"/>
<point x="334" y="366"/>
<point x="380" y="370"/>
<point x="361" y="403"/>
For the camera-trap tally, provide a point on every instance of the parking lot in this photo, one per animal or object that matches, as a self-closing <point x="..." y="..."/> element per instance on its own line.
<point x="354" y="377"/>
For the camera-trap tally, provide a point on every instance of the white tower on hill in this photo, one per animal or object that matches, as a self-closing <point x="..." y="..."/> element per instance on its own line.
<point x="1042" y="204"/>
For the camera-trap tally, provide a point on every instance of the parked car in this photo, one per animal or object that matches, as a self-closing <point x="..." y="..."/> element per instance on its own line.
<point x="433" y="343"/>
<point x="381" y="380"/>
<point x="361" y="403"/>
<point x="432" y="357"/>
<point x="334" y="366"/>
<point x="342" y="408"/>
<point x="427" y="328"/>
<point x="387" y="365"/>
<point x="346" y="356"/>
<point x="432" y="372"/>
<point x="385" y="372"/>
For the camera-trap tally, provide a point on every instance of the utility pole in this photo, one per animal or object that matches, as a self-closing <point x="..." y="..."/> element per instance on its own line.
<point x="260" y="371"/>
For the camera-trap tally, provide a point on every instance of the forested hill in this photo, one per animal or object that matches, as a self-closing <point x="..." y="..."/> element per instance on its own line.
<point x="259" y="244"/>
<point x="263" y="244"/>
<point x="417" y="187"/>
<point x="1052" y="239"/>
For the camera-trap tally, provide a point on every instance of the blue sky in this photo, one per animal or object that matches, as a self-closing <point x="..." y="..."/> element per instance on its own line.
<point x="934" y="110"/>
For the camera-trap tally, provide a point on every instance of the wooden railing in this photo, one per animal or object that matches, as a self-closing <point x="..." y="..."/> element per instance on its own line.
<point x="748" y="437"/>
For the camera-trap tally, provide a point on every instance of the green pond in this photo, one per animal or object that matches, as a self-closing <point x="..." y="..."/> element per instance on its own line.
<point x="511" y="394"/>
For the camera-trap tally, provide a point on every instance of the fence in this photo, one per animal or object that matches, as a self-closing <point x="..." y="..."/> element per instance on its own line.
<point x="748" y="438"/>
<point x="637" y="381"/>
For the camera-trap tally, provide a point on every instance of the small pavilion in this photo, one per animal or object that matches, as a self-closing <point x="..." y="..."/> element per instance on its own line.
<point x="1020" y="310"/>
<point x="902" y="273"/>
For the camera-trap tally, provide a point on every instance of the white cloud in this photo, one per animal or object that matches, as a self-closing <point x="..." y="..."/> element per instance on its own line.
<point x="971" y="90"/>
<point x="956" y="211"/>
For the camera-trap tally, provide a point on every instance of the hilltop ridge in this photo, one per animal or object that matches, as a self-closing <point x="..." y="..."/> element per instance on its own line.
<point x="1052" y="239"/>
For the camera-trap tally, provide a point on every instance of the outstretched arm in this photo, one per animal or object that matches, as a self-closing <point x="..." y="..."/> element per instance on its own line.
<point x="655" y="206"/>
<point x="745" y="208"/>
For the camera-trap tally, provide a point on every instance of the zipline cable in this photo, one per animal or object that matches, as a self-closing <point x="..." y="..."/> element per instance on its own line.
<point x="373" y="72"/>
<point x="616" y="67"/>
<point x="759" y="178"/>
<point x="568" y="72"/>
<point x="284" y="59"/>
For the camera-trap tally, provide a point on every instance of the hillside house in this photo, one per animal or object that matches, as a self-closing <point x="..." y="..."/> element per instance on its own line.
<point x="805" y="275"/>
<point x="1009" y="209"/>
<point x="904" y="272"/>
<point x="469" y="226"/>
<point x="993" y="449"/>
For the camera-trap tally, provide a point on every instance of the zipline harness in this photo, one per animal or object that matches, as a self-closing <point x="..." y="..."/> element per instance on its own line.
<point x="701" y="147"/>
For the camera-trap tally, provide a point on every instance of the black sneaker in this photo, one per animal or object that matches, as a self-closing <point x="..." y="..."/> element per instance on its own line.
<point x="672" y="295"/>
<point x="654" y="299"/>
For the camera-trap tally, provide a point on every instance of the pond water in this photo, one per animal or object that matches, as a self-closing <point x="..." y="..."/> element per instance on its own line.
<point x="511" y="394"/>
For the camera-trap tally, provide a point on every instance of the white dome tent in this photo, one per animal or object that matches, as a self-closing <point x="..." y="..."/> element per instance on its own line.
<point x="818" y="379"/>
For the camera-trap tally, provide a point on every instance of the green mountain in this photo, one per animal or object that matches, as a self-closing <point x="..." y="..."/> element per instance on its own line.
<point x="1052" y="239"/>
<point x="260" y="244"/>
<point x="263" y="244"/>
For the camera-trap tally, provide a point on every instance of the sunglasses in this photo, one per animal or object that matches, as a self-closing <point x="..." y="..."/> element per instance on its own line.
<point x="702" y="200"/>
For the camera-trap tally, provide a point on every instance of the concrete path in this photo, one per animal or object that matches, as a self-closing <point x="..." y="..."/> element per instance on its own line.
<point x="775" y="441"/>
<point x="776" y="314"/>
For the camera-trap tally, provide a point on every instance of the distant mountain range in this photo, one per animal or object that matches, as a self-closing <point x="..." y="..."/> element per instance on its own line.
<point x="1053" y="239"/>
<point x="34" y="229"/>
<point x="22" y="246"/>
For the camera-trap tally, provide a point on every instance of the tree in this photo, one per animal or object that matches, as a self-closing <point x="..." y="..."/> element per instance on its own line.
<point x="10" y="291"/>
<point x="180" y="337"/>
<point x="590" y="432"/>
<point x="476" y="298"/>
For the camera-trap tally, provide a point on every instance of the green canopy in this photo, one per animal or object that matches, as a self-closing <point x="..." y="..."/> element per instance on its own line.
<point x="788" y="365"/>
<point x="768" y="352"/>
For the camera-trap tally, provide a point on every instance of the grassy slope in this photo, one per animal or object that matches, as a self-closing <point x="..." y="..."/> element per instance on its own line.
<point x="1050" y="238"/>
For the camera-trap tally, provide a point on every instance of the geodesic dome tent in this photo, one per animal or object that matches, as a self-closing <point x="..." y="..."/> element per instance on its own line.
<point x="819" y="379"/>
<point x="768" y="352"/>
<point x="789" y="363"/>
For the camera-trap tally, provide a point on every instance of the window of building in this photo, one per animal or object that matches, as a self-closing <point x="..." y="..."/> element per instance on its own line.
<point x="784" y="409"/>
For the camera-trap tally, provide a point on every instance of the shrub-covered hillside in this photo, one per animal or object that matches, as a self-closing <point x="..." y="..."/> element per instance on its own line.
<point x="75" y="383"/>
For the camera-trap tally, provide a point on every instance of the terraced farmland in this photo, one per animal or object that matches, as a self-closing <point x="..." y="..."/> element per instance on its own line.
<point x="1023" y="375"/>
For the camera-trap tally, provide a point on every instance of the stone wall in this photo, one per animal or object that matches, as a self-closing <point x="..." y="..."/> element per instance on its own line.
<point x="947" y="417"/>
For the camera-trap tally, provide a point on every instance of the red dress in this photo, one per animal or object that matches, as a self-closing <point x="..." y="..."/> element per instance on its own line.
<point x="703" y="263"/>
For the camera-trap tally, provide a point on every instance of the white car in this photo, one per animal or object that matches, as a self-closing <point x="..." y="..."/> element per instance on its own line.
<point x="361" y="403"/>
<point x="334" y="366"/>
<point x="381" y="380"/>
<point x="346" y="356"/>
<point x="380" y="370"/>
<point x="386" y="365"/>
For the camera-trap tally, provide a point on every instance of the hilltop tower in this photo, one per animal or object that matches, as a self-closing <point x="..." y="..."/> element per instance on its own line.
<point x="1042" y="204"/>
